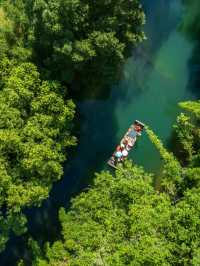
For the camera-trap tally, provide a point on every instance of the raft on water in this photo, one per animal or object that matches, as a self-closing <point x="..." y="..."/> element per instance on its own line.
<point x="126" y="144"/>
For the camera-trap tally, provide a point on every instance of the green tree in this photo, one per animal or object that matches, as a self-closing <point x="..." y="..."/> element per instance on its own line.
<point x="120" y="221"/>
<point x="172" y="172"/>
<point x="124" y="220"/>
<point x="14" y="41"/>
<point x="188" y="133"/>
<point x="85" y="40"/>
<point x="34" y="132"/>
<point x="184" y="231"/>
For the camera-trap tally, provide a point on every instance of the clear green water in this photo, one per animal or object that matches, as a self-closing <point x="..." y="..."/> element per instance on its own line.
<point x="161" y="86"/>
<point x="156" y="78"/>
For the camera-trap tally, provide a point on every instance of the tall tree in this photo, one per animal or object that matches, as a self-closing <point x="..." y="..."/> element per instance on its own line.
<point x="123" y="220"/>
<point x="120" y="221"/>
<point x="34" y="131"/>
<point x="85" y="40"/>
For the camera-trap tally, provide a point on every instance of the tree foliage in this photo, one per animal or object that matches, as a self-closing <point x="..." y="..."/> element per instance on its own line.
<point x="13" y="38"/>
<point x="124" y="220"/>
<point x="85" y="38"/>
<point x="172" y="170"/>
<point x="80" y="42"/>
<point x="34" y="131"/>
<point x="188" y="132"/>
<point x="119" y="221"/>
<point x="75" y="40"/>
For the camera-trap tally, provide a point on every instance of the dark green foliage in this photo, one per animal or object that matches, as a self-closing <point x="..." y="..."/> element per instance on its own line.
<point x="120" y="220"/>
<point x="34" y="130"/>
<point x="14" y="32"/>
<point x="184" y="231"/>
<point x="78" y="42"/>
<point x="172" y="171"/>
<point x="83" y="42"/>
<point x="123" y="220"/>
<point x="188" y="132"/>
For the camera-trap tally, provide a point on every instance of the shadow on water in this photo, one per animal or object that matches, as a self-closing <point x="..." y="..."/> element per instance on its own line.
<point x="194" y="71"/>
<point x="190" y="28"/>
<point x="155" y="79"/>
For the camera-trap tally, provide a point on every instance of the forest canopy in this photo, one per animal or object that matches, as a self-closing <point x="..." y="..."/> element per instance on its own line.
<point x="34" y="131"/>
<point x="124" y="220"/>
<point x="48" y="49"/>
<point x="76" y="42"/>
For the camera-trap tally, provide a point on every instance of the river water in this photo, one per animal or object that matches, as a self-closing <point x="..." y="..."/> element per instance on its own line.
<point x="155" y="79"/>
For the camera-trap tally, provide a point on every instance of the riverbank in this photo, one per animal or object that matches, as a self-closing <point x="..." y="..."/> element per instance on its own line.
<point x="156" y="78"/>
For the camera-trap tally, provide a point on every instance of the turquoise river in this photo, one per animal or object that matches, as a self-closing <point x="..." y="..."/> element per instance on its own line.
<point x="159" y="74"/>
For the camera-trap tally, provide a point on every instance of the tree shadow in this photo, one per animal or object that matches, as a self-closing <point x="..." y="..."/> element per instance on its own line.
<point x="97" y="129"/>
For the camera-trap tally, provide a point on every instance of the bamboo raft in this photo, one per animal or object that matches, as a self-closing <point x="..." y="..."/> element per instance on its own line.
<point x="126" y="144"/>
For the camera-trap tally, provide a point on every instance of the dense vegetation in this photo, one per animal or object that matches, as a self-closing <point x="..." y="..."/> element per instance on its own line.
<point x="45" y="46"/>
<point x="124" y="220"/>
<point x="34" y="130"/>
<point x="77" y="42"/>
<point x="85" y="40"/>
